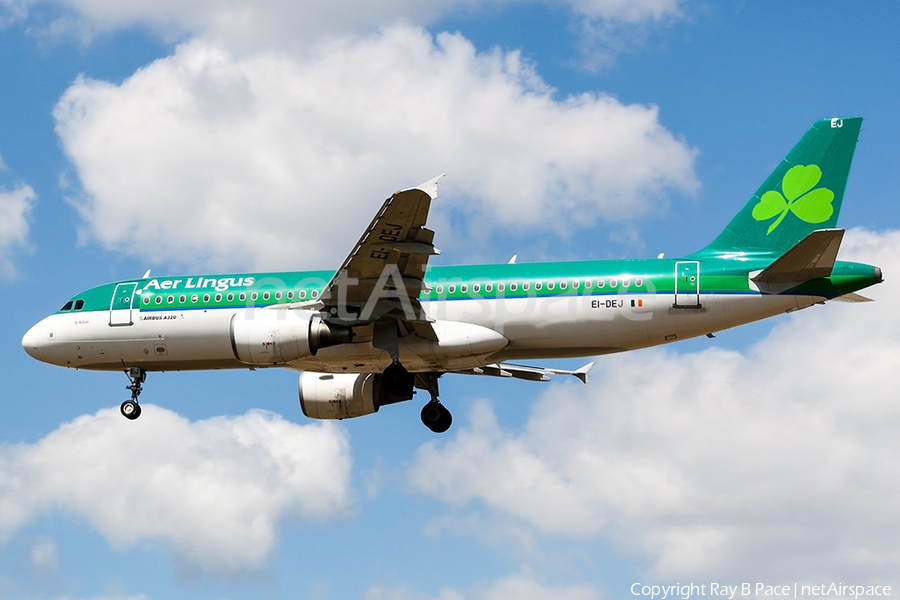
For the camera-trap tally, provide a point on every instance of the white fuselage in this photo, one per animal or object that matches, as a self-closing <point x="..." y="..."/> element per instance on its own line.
<point x="528" y="328"/>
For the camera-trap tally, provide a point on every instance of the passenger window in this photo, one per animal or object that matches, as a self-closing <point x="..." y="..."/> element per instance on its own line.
<point x="464" y="288"/>
<point x="206" y="297"/>
<point x="242" y="297"/>
<point x="451" y="289"/>
<point x="229" y="297"/>
<point x="626" y="282"/>
<point x="512" y="287"/>
<point x="538" y="285"/>
<point x="525" y="286"/>
<point x="550" y="285"/>
<point x="67" y="306"/>
<point x="500" y="287"/>
<point x="613" y="283"/>
<point x="302" y="294"/>
<point x="194" y="298"/>
<point x="146" y="299"/>
<point x="575" y="285"/>
<point x="601" y="283"/>
<point x="170" y="299"/>
<point x="488" y="288"/>
<point x="440" y="289"/>
<point x="278" y="295"/>
<point x="562" y="285"/>
<point x="290" y="295"/>
<point x="265" y="295"/>
<point x="218" y="297"/>
<point x="587" y="284"/>
<point x="476" y="288"/>
<point x="182" y="298"/>
<point x="315" y="293"/>
<point x="638" y="282"/>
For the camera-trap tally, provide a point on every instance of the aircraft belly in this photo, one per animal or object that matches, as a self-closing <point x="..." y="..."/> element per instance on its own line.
<point x="571" y="326"/>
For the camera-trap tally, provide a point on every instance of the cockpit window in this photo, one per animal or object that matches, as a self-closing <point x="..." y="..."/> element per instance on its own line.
<point x="79" y="304"/>
<point x="67" y="306"/>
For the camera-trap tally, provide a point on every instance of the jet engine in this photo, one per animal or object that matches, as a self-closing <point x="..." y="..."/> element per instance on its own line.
<point x="343" y="395"/>
<point x="271" y="337"/>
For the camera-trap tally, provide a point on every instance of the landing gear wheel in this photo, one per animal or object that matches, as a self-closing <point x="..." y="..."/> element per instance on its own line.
<point x="130" y="409"/>
<point x="436" y="417"/>
<point x="398" y="381"/>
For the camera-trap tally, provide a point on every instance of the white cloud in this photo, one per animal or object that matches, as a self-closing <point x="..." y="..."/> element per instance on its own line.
<point x="276" y="161"/>
<point x="44" y="557"/>
<point x="216" y="490"/>
<point x="15" y="210"/>
<point x="283" y="24"/>
<point x="779" y="461"/>
<point x="518" y="586"/>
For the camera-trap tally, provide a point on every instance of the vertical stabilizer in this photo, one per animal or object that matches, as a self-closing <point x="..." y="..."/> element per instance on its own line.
<point x="803" y="194"/>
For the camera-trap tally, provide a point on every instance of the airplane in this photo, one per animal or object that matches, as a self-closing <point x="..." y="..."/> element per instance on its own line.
<point x="387" y="323"/>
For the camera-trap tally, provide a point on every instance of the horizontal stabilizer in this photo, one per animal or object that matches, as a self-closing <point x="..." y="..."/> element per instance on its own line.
<point x="813" y="257"/>
<point x="526" y="372"/>
<point x="853" y="297"/>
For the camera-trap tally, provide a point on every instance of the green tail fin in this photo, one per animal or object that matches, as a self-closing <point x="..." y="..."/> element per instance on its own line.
<point x="803" y="194"/>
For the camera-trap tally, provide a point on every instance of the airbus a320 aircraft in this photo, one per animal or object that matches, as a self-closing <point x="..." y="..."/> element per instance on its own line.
<point x="385" y="322"/>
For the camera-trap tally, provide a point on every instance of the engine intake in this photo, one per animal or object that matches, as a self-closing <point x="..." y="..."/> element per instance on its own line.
<point x="271" y="337"/>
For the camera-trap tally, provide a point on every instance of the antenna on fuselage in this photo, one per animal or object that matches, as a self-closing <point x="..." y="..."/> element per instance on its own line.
<point x="512" y="261"/>
<point x="146" y="275"/>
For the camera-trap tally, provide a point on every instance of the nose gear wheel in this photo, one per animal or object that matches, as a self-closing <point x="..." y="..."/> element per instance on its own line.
<point x="130" y="409"/>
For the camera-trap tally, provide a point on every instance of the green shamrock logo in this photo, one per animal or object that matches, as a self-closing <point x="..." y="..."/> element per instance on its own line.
<point x="809" y="206"/>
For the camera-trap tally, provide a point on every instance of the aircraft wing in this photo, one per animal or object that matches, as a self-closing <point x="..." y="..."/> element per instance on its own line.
<point x="526" y="372"/>
<point x="381" y="279"/>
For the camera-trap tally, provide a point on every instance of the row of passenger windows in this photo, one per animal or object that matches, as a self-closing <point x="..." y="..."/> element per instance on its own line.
<point x="241" y="297"/>
<point x="539" y="286"/>
<point x="439" y="290"/>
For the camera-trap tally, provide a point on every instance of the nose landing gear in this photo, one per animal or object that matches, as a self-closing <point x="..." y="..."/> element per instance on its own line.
<point x="130" y="409"/>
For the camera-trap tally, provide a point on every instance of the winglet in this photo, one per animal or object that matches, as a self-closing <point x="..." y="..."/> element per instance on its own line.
<point x="582" y="373"/>
<point x="430" y="186"/>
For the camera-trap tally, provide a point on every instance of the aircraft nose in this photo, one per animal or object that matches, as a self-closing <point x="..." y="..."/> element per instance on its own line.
<point x="33" y="340"/>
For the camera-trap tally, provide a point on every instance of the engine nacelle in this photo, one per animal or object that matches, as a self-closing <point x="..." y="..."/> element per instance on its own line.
<point x="339" y="395"/>
<point x="274" y="336"/>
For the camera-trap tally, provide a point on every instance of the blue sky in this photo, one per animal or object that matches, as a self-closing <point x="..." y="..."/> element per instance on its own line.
<point x="221" y="136"/>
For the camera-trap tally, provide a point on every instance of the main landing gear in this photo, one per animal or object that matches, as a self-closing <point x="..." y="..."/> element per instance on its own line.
<point x="130" y="409"/>
<point x="399" y="384"/>
<point x="435" y="415"/>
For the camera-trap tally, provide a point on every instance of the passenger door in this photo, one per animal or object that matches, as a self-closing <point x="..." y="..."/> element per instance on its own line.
<point x="120" y="308"/>
<point x="687" y="284"/>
